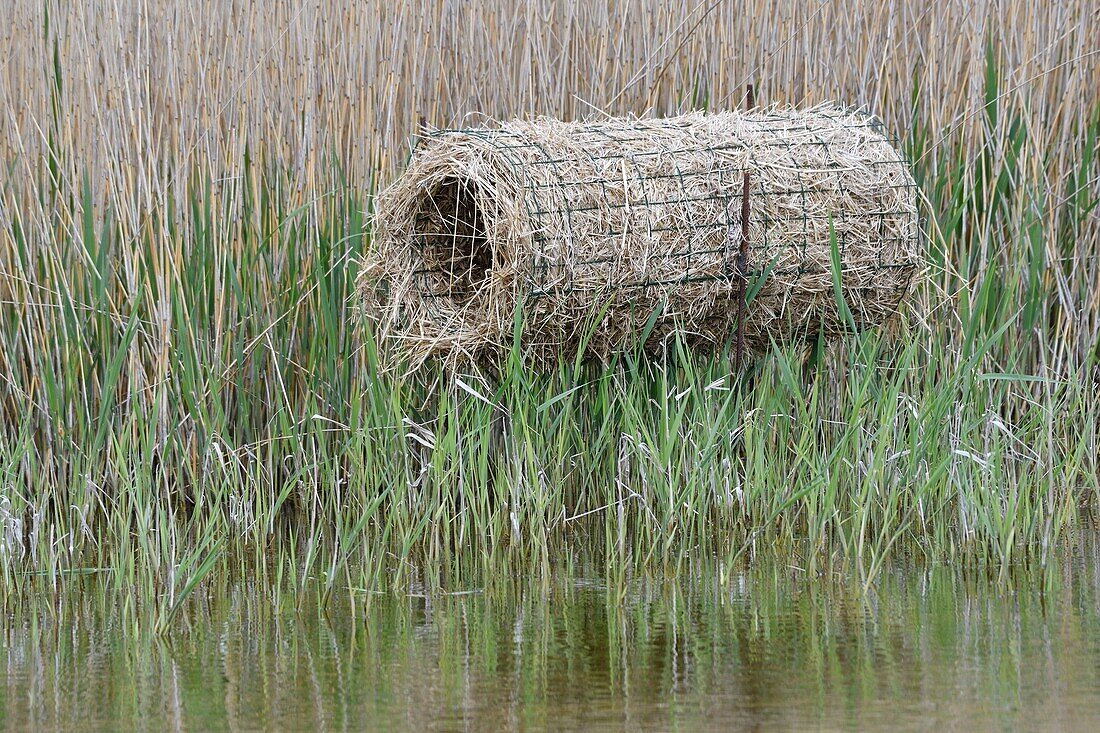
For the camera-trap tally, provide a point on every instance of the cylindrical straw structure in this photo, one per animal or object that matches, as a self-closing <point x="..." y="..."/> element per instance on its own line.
<point x="602" y="233"/>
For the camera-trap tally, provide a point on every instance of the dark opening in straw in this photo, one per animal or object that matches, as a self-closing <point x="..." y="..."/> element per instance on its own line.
<point x="450" y="235"/>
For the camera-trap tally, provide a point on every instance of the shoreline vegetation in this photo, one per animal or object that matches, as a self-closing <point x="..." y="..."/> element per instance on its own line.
<point x="187" y="397"/>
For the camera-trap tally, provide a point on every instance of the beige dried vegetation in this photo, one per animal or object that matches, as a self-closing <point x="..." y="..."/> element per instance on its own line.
<point x="614" y="230"/>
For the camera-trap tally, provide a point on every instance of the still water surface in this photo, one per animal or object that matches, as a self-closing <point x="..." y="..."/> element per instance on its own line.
<point x="769" y="649"/>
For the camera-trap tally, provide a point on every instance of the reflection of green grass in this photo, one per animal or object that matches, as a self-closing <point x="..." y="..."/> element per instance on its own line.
<point x="189" y="401"/>
<point x="768" y="642"/>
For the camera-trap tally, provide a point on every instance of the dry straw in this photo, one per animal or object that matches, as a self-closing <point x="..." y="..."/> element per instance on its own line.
<point x="607" y="232"/>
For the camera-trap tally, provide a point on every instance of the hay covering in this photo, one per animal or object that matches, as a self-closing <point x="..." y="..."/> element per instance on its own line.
<point x="605" y="229"/>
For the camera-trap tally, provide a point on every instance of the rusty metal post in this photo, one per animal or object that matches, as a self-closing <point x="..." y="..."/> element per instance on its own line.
<point x="743" y="254"/>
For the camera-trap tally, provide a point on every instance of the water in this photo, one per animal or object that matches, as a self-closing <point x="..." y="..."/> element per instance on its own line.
<point x="768" y="649"/>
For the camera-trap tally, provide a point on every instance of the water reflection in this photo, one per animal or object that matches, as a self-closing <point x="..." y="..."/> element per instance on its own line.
<point x="769" y="650"/>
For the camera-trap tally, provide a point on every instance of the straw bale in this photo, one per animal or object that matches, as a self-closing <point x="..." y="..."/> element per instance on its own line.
<point x="598" y="230"/>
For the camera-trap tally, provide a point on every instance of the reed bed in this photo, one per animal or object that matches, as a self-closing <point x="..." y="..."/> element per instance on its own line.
<point x="184" y="395"/>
